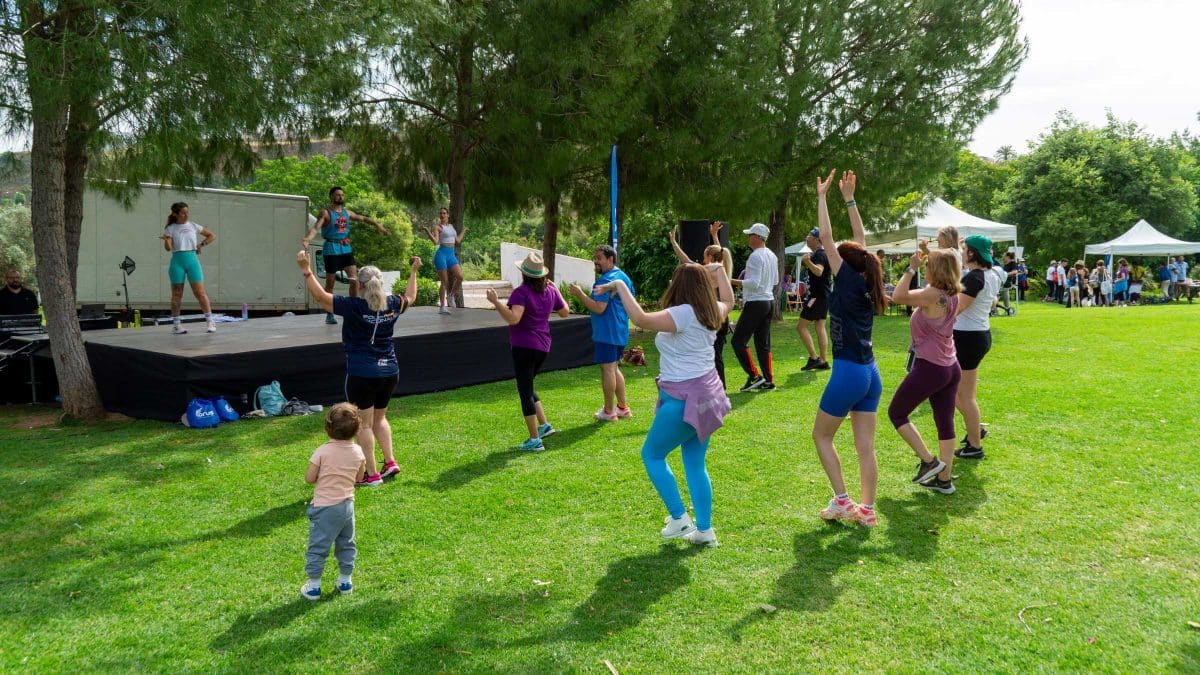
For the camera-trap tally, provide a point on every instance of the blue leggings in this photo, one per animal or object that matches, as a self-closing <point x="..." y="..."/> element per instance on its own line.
<point x="667" y="432"/>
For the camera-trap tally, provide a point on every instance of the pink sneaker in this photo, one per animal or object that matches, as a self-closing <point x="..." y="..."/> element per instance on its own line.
<point x="864" y="517"/>
<point x="836" y="511"/>
<point x="373" y="480"/>
<point x="624" y="412"/>
<point x="605" y="416"/>
<point x="389" y="469"/>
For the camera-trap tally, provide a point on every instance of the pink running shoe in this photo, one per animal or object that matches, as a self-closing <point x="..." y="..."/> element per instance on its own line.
<point x="374" y="480"/>
<point x="605" y="416"/>
<point x="624" y="413"/>
<point x="389" y="469"/>
<point x="836" y="511"/>
<point x="864" y="517"/>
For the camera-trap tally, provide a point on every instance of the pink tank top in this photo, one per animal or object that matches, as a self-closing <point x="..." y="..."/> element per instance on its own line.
<point x="933" y="339"/>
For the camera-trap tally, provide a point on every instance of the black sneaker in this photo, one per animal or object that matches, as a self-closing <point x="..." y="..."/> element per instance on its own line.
<point x="753" y="383"/>
<point x="967" y="452"/>
<point x="767" y="386"/>
<point x="982" y="435"/>
<point x="811" y="364"/>
<point x="936" y="484"/>
<point x="822" y="364"/>
<point x="927" y="470"/>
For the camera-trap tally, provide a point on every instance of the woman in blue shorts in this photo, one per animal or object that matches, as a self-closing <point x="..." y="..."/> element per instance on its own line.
<point x="855" y="386"/>
<point x="445" y="262"/>
<point x="184" y="240"/>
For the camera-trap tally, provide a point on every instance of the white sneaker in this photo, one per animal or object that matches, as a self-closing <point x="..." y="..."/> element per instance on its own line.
<point x="210" y="326"/>
<point x="605" y="416"/>
<point x="837" y="511"/>
<point x="178" y="330"/>
<point x="311" y="591"/>
<point x="702" y="537"/>
<point x="677" y="527"/>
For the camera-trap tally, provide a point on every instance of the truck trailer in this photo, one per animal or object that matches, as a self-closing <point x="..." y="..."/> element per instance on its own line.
<point x="252" y="262"/>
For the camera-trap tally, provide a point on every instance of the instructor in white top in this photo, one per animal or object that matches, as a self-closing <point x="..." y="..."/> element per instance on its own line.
<point x="758" y="308"/>
<point x="180" y="239"/>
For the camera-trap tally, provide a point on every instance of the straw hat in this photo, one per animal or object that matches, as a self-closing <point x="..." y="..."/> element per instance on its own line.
<point x="532" y="265"/>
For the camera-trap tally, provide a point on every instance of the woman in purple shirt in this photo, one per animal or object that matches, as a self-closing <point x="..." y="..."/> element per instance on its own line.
<point x="935" y="372"/>
<point x="528" y="315"/>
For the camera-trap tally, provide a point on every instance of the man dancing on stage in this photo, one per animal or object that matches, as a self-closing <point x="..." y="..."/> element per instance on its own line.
<point x="334" y="224"/>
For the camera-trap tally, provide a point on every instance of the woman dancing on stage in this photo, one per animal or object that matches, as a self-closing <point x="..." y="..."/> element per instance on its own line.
<point x="855" y="386"/>
<point x="935" y="372"/>
<point x="179" y="238"/>
<point x="445" y="262"/>
<point x="691" y="399"/>
<point x="371" y="367"/>
<point x="528" y="315"/>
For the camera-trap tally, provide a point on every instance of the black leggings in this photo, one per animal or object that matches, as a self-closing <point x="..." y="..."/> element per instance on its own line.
<point x="526" y="364"/>
<point x="719" y="350"/>
<point x="755" y="320"/>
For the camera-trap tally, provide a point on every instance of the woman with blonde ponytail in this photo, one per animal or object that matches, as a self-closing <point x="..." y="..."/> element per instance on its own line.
<point x="371" y="368"/>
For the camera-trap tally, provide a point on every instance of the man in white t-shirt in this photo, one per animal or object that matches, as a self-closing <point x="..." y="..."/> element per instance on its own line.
<point x="758" y="310"/>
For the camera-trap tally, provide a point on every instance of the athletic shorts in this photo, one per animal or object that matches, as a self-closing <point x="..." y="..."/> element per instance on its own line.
<point x="972" y="346"/>
<point x="339" y="262"/>
<point x="852" y="386"/>
<point x="818" y="310"/>
<point x="444" y="258"/>
<point x="370" y="392"/>
<point x="606" y="353"/>
<point x="185" y="265"/>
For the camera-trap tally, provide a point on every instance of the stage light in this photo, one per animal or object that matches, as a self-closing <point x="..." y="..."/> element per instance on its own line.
<point x="127" y="267"/>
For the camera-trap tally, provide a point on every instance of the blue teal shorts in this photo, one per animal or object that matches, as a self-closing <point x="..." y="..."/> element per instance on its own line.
<point x="444" y="259"/>
<point x="185" y="265"/>
<point x="606" y="353"/>
<point x="852" y="386"/>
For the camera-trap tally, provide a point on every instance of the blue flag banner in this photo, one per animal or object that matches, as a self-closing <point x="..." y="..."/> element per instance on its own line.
<point x="613" y="202"/>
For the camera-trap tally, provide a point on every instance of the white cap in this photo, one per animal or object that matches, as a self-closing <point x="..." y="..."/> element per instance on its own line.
<point x="759" y="229"/>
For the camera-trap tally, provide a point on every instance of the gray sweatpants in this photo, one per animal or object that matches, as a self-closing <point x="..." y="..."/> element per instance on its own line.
<point x="331" y="526"/>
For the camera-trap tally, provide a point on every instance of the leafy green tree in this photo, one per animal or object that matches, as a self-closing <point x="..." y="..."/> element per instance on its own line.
<point x="16" y="241"/>
<point x="972" y="183"/>
<point x="1084" y="185"/>
<point x="170" y="90"/>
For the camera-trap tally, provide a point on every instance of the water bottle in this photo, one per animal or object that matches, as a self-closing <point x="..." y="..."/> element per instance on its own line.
<point x="245" y="312"/>
<point x="316" y="407"/>
<point x="137" y="318"/>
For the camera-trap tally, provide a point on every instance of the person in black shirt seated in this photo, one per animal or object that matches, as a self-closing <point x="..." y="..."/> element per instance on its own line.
<point x="15" y="298"/>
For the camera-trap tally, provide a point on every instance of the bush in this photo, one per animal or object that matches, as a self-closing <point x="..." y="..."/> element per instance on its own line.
<point x="427" y="290"/>
<point x="575" y="304"/>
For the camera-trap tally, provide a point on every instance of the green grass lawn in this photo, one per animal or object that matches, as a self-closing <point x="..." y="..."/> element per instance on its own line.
<point x="145" y="546"/>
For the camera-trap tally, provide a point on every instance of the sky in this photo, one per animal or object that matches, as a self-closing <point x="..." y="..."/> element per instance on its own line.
<point x="1136" y="57"/>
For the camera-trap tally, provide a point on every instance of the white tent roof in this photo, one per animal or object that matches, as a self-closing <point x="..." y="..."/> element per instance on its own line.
<point x="1143" y="239"/>
<point x="938" y="215"/>
<point x="798" y="249"/>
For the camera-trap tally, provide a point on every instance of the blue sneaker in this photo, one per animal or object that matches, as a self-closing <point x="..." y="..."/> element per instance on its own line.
<point x="533" y="444"/>
<point x="330" y="319"/>
<point x="545" y="430"/>
<point x="310" y="590"/>
<point x="345" y="586"/>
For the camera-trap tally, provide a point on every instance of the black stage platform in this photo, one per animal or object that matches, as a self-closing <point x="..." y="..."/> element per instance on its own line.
<point x="150" y="373"/>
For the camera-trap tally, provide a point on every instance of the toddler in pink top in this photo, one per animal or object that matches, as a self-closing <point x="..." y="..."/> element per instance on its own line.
<point x="333" y="470"/>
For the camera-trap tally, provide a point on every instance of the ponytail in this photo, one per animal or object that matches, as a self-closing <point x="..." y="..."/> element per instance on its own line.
<point x="868" y="265"/>
<point x="374" y="293"/>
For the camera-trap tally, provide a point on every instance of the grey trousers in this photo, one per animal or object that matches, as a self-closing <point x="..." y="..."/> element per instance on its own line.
<point x="331" y="526"/>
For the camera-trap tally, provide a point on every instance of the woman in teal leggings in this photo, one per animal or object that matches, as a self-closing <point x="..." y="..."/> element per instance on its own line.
<point x="184" y="240"/>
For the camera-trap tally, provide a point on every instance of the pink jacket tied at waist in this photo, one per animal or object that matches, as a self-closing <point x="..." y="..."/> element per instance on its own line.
<point x="704" y="402"/>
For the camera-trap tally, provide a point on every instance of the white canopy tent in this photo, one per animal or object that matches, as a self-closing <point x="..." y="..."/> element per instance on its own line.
<point x="797" y="251"/>
<point x="1144" y="240"/>
<point x="939" y="214"/>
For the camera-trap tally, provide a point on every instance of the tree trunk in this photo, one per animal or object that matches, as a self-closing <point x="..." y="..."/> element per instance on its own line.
<point x="777" y="241"/>
<point x="550" y="213"/>
<point x="75" y="160"/>
<point x="76" y="383"/>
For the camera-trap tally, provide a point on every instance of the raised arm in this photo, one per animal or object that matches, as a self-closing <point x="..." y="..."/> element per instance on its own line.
<point x="659" y="321"/>
<point x="679" y="252"/>
<point x="370" y="221"/>
<point x="835" y="260"/>
<point x="431" y="232"/>
<point x="410" y="291"/>
<point x="714" y="231"/>
<point x="847" y="184"/>
<point x="312" y="231"/>
<point x="716" y="271"/>
<point x="323" y="298"/>
<point x="459" y="235"/>
<point x="922" y="297"/>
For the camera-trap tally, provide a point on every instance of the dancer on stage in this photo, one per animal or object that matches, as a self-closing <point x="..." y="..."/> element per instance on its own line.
<point x="854" y="386"/>
<point x="972" y="341"/>
<point x="179" y="238"/>
<point x="691" y="400"/>
<point x="449" y="271"/>
<point x="334" y="224"/>
<point x="713" y="253"/>
<point x="610" y="331"/>
<point x="935" y="372"/>
<point x="528" y="315"/>
<point x="371" y="368"/>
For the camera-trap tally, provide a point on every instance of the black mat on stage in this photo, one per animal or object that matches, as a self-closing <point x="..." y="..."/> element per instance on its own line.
<point x="150" y="373"/>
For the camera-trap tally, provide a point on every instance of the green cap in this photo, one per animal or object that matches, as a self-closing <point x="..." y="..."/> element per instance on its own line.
<point x="981" y="245"/>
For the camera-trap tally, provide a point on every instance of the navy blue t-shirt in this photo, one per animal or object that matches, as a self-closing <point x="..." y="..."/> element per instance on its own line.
<point x="851" y="316"/>
<point x="367" y="335"/>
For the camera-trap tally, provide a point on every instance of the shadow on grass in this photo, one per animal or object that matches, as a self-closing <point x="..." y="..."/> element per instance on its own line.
<point x="914" y="524"/>
<point x="1188" y="658"/>
<point x="461" y="475"/>
<point x="251" y="626"/>
<point x="811" y="585"/>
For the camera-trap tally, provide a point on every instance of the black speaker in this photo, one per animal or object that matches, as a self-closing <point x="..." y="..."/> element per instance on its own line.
<point x="694" y="237"/>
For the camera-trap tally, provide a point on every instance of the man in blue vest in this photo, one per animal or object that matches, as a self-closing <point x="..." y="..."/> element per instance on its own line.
<point x="334" y="225"/>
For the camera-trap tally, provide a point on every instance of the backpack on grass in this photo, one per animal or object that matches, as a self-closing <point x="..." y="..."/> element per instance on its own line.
<point x="270" y="399"/>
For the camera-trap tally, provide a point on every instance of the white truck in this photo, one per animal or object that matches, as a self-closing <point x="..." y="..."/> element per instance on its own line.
<point x="252" y="262"/>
